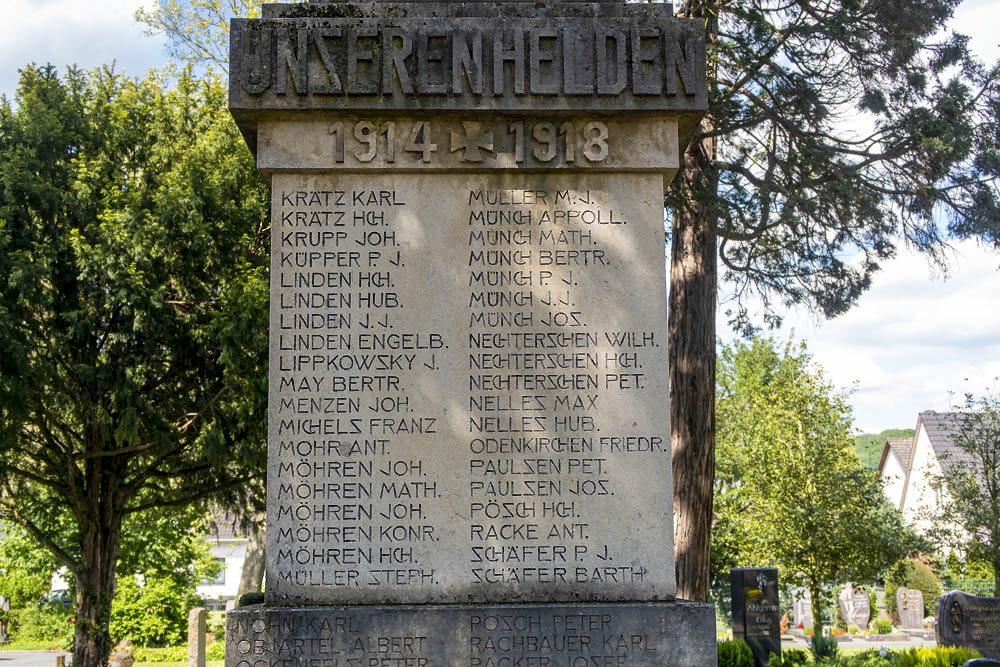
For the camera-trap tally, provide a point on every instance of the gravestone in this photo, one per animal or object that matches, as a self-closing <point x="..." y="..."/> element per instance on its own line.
<point x="197" y="621"/>
<point x="855" y="606"/>
<point x="910" y="605"/>
<point x="802" y="607"/>
<point x="969" y="621"/>
<point x="468" y="445"/>
<point x="756" y="611"/>
<point x="881" y="604"/>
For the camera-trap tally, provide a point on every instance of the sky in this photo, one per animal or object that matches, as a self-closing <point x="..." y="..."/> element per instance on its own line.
<point x="916" y="341"/>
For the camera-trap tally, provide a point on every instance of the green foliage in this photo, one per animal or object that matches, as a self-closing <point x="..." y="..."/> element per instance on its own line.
<point x="968" y="518"/>
<point x="162" y="561"/>
<point x="823" y="647"/>
<point x="151" y="611"/>
<point x="45" y="622"/>
<point x="214" y="651"/>
<point x="789" y="491"/>
<point x="791" y="193"/>
<point x="927" y="656"/>
<point x="25" y="570"/>
<point x="870" y="445"/>
<point x="734" y="653"/>
<point x="790" y="657"/>
<point x="913" y="573"/>
<point x="248" y="599"/>
<point x="869" y="658"/>
<point x="133" y="309"/>
<point x="883" y="626"/>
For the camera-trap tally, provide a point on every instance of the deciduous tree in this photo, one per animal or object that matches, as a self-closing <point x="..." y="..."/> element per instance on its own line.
<point x="133" y="292"/>
<point x="968" y="514"/>
<point x="789" y="489"/>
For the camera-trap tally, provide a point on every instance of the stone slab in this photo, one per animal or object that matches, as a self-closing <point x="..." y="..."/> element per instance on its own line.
<point x="428" y="57"/>
<point x="969" y="621"/>
<point x="339" y="142"/>
<point x="855" y="606"/>
<point x="468" y="387"/>
<point x="345" y="61"/>
<point x="678" y="634"/>
<point x="482" y="8"/>
<point x="197" y="626"/>
<point x="756" y="611"/>
<point x="910" y="606"/>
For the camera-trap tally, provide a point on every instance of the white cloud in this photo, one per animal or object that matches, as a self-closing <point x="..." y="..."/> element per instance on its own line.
<point x="977" y="18"/>
<point x="65" y="32"/>
<point x="915" y="341"/>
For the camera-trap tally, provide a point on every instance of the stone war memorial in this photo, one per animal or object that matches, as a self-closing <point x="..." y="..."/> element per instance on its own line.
<point x="468" y="438"/>
<point x="756" y="610"/>
<point x="969" y="621"/>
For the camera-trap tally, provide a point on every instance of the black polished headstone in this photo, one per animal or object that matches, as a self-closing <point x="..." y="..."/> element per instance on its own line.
<point x="756" y="613"/>
<point x="969" y="621"/>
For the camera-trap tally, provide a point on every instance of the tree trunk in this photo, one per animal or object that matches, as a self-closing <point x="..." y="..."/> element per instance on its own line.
<point x="691" y="332"/>
<point x="817" y="609"/>
<point x="95" y="588"/>
<point x="252" y="575"/>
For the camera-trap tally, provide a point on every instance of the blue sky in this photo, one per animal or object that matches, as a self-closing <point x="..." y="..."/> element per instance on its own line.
<point x="917" y="341"/>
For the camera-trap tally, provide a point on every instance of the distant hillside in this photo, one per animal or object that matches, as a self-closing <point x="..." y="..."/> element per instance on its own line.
<point x="869" y="445"/>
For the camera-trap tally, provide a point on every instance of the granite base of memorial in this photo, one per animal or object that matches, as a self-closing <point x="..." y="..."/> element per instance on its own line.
<point x="655" y="634"/>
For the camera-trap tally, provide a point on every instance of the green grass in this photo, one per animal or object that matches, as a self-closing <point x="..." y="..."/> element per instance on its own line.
<point x="210" y="663"/>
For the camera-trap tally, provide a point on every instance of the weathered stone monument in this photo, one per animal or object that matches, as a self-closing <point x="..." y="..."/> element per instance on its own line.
<point x="855" y="606"/>
<point x="969" y="621"/>
<point x="910" y="605"/>
<point x="468" y="445"/>
<point x="756" y="611"/>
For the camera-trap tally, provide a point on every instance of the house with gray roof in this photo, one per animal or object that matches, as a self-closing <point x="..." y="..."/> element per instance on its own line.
<point x="228" y="543"/>
<point x="908" y="465"/>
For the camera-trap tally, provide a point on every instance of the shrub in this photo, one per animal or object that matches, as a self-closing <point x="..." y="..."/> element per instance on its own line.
<point x="853" y="629"/>
<point x="47" y="623"/>
<point x="152" y="611"/>
<point x="838" y="631"/>
<point x="939" y="656"/>
<point x="168" y="654"/>
<point x="248" y="599"/>
<point x="735" y="653"/>
<point x="789" y="658"/>
<point x="823" y="647"/>
<point x="883" y="626"/>
<point x="869" y="658"/>
<point x="913" y="573"/>
<point x="216" y="651"/>
<point x="808" y="632"/>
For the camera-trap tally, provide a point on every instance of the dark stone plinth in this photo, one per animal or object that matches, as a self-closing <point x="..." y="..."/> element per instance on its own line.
<point x="969" y="621"/>
<point x="675" y="634"/>
<point x="756" y="614"/>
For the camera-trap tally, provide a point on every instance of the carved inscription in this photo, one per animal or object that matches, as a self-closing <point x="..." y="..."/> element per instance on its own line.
<point x="374" y="142"/>
<point x="970" y="621"/>
<point x="464" y="405"/>
<point x="333" y="62"/>
<point x="539" y="636"/>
